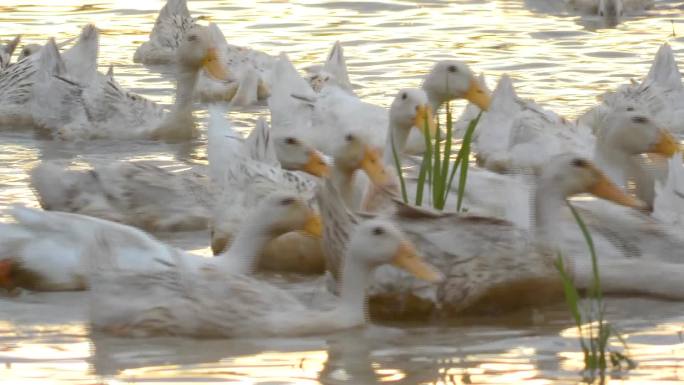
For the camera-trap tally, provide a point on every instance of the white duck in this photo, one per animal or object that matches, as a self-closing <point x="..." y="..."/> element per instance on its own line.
<point x="249" y="68"/>
<point x="35" y="93"/>
<point x="660" y="93"/>
<point x="148" y="196"/>
<point x="490" y="264"/>
<point x="517" y="134"/>
<point x="173" y="22"/>
<point x="118" y="114"/>
<point x="184" y="303"/>
<point x="53" y="251"/>
<point x="140" y="194"/>
<point x="334" y="111"/>
<point x="244" y="173"/>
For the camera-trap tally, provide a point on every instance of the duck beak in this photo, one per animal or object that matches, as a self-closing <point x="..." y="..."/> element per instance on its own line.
<point x="313" y="226"/>
<point x="666" y="146"/>
<point x="424" y="120"/>
<point x="372" y="165"/>
<point x="6" y="274"/>
<point x="407" y="258"/>
<point x="316" y="165"/>
<point x="478" y="95"/>
<point x="213" y="65"/>
<point x="607" y="190"/>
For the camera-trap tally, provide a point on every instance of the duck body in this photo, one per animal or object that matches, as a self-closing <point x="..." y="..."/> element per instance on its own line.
<point x="660" y="93"/>
<point x="178" y="303"/>
<point x="492" y="265"/>
<point x="139" y="194"/>
<point x="250" y="69"/>
<point x="517" y="134"/>
<point x="324" y="117"/>
<point x="171" y="24"/>
<point x="6" y="51"/>
<point x="57" y="251"/>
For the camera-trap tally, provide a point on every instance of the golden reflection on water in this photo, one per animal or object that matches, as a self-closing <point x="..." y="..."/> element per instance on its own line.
<point x="561" y="60"/>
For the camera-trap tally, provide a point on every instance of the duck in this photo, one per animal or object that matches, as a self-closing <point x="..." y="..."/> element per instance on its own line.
<point x="115" y="113"/>
<point x="34" y="93"/>
<point x="249" y="68"/>
<point x="334" y="111"/>
<point x="660" y="93"/>
<point x="6" y="51"/>
<point x="137" y="193"/>
<point x="247" y="180"/>
<point x="182" y="303"/>
<point x="242" y="174"/>
<point x="490" y="264"/>
<point x="332" y="71"/>
<point x="55" y="251"/>
<point x="172" y="23"/>
<point x="145" y="195"/>
<point x="507" y="135"/>
<point x="38" y="94"/>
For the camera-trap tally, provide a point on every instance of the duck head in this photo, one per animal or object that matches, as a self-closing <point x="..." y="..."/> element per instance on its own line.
<point x="452" y="79"/>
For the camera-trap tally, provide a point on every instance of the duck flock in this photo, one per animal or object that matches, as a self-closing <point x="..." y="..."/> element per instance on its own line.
<point x="316" y="191"/>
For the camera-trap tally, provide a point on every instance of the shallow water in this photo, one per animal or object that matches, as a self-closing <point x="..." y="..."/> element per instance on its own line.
<point x="555" y="57"/>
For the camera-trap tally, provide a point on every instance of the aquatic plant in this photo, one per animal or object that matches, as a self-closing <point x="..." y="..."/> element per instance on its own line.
<point x="436" y="171"/>
<point x="594" y="330"/>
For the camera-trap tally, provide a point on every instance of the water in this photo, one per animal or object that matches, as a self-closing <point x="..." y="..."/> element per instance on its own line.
<point x="559" y="59"/>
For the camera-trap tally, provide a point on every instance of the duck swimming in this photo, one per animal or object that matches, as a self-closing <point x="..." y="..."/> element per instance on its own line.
<point x="179" y="302"/>
<point x="53" y="251"/>
<point x="488" y="264"/>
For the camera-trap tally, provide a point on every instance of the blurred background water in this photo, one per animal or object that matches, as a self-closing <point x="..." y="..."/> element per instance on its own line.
<point x="558" y="58"/>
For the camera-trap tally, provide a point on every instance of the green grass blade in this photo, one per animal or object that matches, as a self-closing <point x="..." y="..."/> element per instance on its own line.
<point x="436" y="170"/>
<point x="400" y="174"/>
<point x="465" y="151"/>
<point x="447" y="156"/>
<point x="595" y="290"/>
<point x="462" y="158"/>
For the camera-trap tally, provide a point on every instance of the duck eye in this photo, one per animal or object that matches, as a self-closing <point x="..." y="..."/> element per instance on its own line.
<point x="26" y="52"/>
<point x="630" y="108"/>
<point x="192" y="37"/>
<point x="640" y="120"/>
<point x="404" y="96"/>
<point x="577" y="162"/>
<point x="349" y="137"/>
<point x="452" y="68"/>
<point x="287" y="201"/>
<point x="290" y="140"/>
<point x="378" y="231"/>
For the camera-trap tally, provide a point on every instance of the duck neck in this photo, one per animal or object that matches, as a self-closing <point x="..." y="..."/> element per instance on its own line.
<point x="547" y="218"/>
<point x="179" y="123"/>
<point x="344" y="181"/>
<point x="242" y="256"/>
<point x="396" y="138"/>
<point x="612" y="162"/>
<point x="353" y="289"/>
<point x="185" y="89"/>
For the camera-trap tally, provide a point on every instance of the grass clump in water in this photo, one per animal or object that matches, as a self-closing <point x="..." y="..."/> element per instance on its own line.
<point x="437" y="172"/>
<point x="595" y="332"/>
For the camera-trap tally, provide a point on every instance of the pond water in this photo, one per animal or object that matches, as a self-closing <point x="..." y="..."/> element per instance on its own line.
<point x="555" y="57"/>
